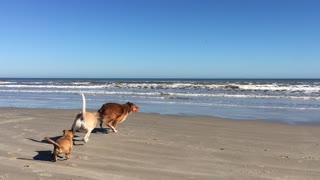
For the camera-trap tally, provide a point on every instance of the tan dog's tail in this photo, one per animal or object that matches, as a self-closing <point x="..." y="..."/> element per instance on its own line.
<point x="83" y="104"/>
<point x="51" y="141"/>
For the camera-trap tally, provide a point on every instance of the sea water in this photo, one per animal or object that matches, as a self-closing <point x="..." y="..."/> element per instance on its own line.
<point x="285" y="100"/>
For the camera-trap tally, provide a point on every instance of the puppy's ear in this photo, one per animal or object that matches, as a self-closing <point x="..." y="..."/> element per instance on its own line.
<point x="64" y="131"/>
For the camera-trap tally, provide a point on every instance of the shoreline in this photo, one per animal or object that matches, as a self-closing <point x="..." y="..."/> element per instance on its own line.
<point x="183" y="115"/>
<point x="153" y="146"/>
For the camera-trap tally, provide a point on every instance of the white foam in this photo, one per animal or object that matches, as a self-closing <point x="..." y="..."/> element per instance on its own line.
<point x="273" y="87"/>
<point x="276" y="87"/>
<point x="163" y="95"/>
<point x="228" y="105"/>
<point x="7" y="82"/>
<point x="54" y="86"/>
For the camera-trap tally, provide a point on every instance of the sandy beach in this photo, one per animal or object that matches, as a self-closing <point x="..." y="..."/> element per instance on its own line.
<point x="153" y="146"/>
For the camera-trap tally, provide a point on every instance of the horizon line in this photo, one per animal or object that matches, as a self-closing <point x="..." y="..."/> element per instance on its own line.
<point x="263" y="78"/>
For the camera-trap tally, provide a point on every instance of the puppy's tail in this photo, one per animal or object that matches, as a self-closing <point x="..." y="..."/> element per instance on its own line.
<point x="51" y="141"/>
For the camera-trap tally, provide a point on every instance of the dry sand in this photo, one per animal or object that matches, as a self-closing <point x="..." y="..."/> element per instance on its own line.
<point x="152" y="146"/>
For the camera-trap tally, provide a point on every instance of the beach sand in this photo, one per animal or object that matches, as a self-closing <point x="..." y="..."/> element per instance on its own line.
<point x="153" y="146"/>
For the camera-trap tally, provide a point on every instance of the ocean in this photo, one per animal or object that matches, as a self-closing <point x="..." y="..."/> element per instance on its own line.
<point x="292" y="101"/>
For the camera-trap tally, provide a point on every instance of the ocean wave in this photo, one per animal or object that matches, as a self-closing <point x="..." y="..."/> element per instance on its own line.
<point x="54" y="86"/>
<point x="168" y="95"/>
<point x="274" y="87"/>
<point x="6" y="82"/>
<point x="227" y="105"/>
<point x="225" y="86"/>
<point x="81" y="83"/>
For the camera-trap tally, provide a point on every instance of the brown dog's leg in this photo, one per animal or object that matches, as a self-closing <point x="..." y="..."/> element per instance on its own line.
<point x="109" y="124"/>
<point x="101" y="122"/>
<point x="67" y="155"/>
<point x="115" y="124"/>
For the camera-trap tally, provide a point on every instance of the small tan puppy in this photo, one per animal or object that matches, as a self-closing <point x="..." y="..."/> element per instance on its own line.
<point x="85" y="121"/>
<point x="62" y="145"/>
<point x="113" y="113"/>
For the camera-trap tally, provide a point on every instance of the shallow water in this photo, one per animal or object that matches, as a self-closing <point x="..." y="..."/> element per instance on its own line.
<point x="290" y="101"/>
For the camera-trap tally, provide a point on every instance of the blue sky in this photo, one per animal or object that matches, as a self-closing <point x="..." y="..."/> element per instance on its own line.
<point x="160" y="38"/>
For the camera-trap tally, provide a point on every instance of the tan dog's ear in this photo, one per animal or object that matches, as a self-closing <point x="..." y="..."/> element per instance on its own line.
<point x="64" y="131"/>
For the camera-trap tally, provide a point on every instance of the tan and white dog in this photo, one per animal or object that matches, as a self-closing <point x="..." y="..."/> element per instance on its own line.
<point x="62" y="145"/>
<point x="113" y="113"/>
<point x="85" y="121"/>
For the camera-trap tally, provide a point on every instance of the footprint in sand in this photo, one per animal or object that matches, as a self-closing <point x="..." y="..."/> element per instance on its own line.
<point x="11" y="156"/>
<point x="3" y="176"/>
<point x="42" y="173"/>
<point x="37" y="171"/>
<point x="82" y="157"/>
<point x="72" y="165"/>
<point x="45" y="175"/>
<point x="28" y="130"/>
<point x="314" y="157"/>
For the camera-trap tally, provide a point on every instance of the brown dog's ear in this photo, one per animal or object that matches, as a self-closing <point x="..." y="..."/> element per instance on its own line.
<point x="64" y="131"/>
<point x="129" y="103"/>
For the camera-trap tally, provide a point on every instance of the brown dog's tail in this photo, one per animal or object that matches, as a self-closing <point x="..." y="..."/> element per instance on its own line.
<point x="51" y="141"/>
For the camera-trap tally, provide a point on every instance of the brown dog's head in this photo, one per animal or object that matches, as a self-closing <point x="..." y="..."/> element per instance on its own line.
<point x="68" y="133"/>
<point x="132" y="107"/>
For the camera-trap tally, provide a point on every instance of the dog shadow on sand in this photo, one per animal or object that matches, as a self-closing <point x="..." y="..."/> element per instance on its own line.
<point x="80" y="142"/>
<point x="45" y="155"/>
<point x="101" y="130"/>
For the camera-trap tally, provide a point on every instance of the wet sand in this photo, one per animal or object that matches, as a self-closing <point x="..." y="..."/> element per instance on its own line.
<point x="153" y="146"/>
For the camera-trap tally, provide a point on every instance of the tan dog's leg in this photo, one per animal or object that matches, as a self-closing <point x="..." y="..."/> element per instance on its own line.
<point x="86" y="137"/>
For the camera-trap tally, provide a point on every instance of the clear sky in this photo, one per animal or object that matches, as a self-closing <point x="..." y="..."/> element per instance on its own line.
<point x="160" y="38"/>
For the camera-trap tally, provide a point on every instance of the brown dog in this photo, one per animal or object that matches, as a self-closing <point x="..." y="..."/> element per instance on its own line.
<point x="62" y="145"/>
<point x="84" y="121"/>
<point x="113" y="114"/>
